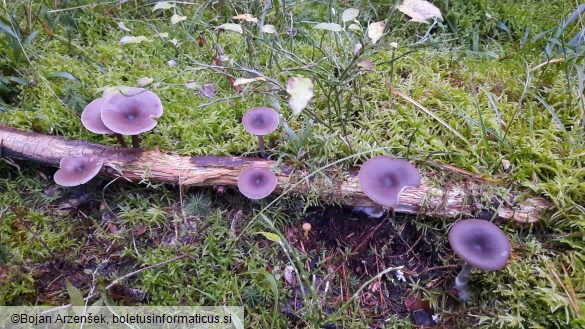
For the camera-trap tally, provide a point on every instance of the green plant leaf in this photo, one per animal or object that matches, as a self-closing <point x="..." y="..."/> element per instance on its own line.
<point x="30" y="38"/>
<point x="268" y="277"/>
<point x="271" y="236"/>
<point x="75" y="294"/>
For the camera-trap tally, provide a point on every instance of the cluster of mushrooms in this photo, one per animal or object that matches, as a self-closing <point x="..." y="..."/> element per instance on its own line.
<point x="123" y="113"/>
<point x="481" y="244"/>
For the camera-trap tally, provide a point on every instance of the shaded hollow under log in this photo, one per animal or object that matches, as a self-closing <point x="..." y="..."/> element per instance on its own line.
<point x="451" y="201"/>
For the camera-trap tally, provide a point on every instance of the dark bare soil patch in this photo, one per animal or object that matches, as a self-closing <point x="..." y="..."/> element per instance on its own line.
<point x="356" y="248"/>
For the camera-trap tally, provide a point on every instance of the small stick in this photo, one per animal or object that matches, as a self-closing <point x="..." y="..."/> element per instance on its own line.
<point x="124" y="277"/>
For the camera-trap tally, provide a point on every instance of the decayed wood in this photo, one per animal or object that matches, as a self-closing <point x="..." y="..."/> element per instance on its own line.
<point x="451" y="201"/>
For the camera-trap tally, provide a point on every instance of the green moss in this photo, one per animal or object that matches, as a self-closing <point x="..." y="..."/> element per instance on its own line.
<point x="471" y="73"/>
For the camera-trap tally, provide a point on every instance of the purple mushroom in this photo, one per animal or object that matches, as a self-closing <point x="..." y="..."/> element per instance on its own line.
<point x="75" y="171"/>
<point x="257" y="183"/>
<point x="91" y="118"/>
<point x="382" y="179"/>
<point x="260" y="121"/>
<point x="132" y="112"/>
<point x="480" y="244"/>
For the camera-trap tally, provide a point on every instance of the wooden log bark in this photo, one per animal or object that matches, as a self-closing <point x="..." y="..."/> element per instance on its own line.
<point x="452" y="201"/>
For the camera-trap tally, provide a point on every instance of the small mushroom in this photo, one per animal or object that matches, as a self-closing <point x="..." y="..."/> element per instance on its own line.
<point x="91" y="118"/>
<point x="132" y="112"/>
<point x="480" y="244"/>
<point x="260" y="121"/>
<point x="306" y="229"/>
<point x="75" y="171"/>
<point x="382" y="179"/>
<point x="257" y="183"/>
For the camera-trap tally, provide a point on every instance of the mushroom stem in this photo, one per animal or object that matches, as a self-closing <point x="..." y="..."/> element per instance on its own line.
<point x="461" y="282"/>
<point x="135" y="141"/>
<point x="261" y="146"/>
<point x="121" y="140"/>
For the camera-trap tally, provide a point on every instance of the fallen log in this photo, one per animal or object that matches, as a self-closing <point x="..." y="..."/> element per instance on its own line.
<point x="450" y="201"/>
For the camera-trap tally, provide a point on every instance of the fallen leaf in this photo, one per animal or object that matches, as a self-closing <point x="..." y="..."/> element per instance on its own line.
<point x="354" y="27"/>
<point x="207" y="90"/>
<point x="129" y="39"/>
<point x="334" y="27"/>
<point x="375" y="31"/>
<point x="243" y="81"/>
<point x="349" y="14"/>
<point x="123" y="27"/>
<point x="420" y="10"/>
<point x="231" y="27"/>
<point x="138" y="231"/>
<point x="176" y="19"/>
<point x="246" y="17"/>
<point x="192" y="85"/>
<point x="162" y="5"/>
<point x="145" y="81"/>
<point x="300" y="90"/>
<point x="289" y="275"/>
<point x="365" y="65"/>
<point x="269" y="29"/>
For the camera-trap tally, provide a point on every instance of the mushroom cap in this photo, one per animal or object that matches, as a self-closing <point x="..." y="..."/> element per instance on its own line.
<point x="75" y="171"/>
<point x="480" y="243"/>
<point x="257" y="183"/>
<point x="133" y="112"/>
<point x="91" y="118"/>
<point x="260" y="121"/>
<point x="383" y="178"/>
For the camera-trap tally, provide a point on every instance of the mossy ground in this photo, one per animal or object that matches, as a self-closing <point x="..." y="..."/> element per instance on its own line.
<point x="478" y="71"/>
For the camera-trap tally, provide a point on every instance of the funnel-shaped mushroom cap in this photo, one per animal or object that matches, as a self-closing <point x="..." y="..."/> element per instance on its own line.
<point x="131" y="112"/>
<point x="260" y="121"/>
<point x="480" y="243"/>
<point x="77" y="170"/>
<point x="91" y="118"/>
<point x="383" y="178"/>
<point x="257" y="183"/>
